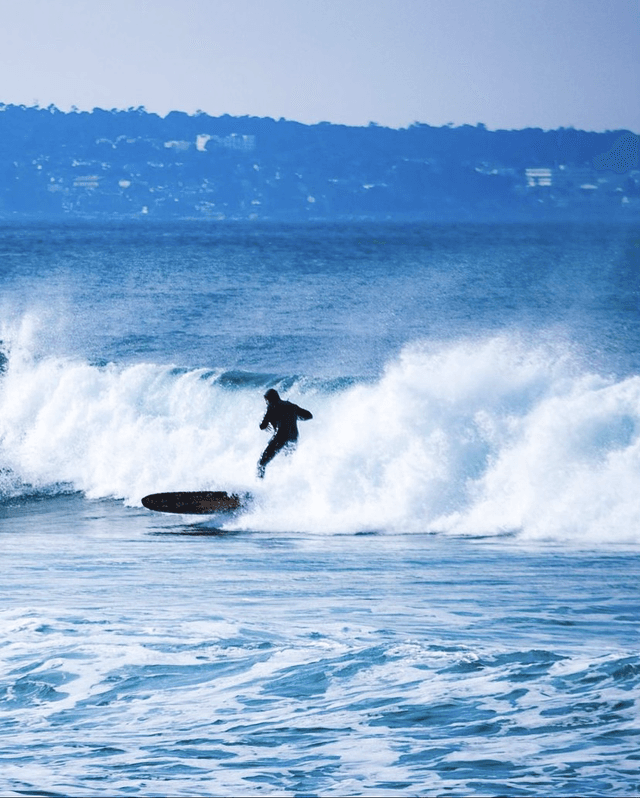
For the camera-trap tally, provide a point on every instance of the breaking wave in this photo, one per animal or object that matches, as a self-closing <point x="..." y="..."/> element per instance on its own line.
<point x="482" y="438"/>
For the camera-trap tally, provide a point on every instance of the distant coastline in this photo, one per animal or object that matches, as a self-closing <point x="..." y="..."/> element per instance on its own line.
<point x="134" y="164"/>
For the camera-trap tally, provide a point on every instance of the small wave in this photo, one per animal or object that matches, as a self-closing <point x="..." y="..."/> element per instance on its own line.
<point x="13" y="489"/>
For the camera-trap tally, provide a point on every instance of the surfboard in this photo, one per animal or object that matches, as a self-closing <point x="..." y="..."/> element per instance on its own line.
<point x="193" y="502"/>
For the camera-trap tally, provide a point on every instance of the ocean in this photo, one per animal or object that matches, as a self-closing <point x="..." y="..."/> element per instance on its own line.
<point x="435" y="594"/>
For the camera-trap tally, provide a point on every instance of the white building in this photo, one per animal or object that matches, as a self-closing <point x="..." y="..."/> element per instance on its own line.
<point x="539" y="177"/>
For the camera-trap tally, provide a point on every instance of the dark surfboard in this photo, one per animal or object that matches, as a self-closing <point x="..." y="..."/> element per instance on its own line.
<point x="193" y="502"/>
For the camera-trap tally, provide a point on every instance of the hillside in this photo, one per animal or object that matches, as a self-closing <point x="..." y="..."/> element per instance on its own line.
<point x="123" y="164"/>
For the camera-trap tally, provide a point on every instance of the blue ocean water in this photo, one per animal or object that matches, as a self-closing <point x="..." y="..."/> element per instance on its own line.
<point x="436" y="594"/>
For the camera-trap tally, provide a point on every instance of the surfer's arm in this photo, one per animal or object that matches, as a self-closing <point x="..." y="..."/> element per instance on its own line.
<point x="305" y="415"/>
<point x="266" y="420"/>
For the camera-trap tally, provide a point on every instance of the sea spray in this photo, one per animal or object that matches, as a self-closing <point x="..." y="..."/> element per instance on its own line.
<point x="476" y="437"/>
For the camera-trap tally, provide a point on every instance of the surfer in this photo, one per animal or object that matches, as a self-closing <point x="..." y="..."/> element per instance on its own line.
<point x="282" y="416"/>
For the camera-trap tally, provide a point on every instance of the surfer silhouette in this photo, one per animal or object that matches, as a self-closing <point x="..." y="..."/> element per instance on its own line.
<point x="282" y="416"/>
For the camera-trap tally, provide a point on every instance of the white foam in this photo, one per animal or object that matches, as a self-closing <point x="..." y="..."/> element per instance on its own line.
<point x="472" y="438"/>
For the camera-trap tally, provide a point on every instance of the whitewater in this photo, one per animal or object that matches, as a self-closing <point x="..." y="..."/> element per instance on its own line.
<point x="435" y="594"/>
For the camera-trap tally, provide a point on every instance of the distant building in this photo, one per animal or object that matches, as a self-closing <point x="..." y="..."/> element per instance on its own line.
<point x="177" y="145"/>
<point x="233" y="141"/>
<point x="88" y="181"/>
<point x="539" y="177"/>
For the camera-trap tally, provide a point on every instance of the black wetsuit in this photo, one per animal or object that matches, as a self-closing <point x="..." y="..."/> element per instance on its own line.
<point x="283" y="417"/>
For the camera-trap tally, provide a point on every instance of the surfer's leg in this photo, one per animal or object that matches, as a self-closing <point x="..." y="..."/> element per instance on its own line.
<point x="273" y="447"/>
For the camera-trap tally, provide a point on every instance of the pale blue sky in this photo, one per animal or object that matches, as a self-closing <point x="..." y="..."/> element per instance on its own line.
<point x="506" y="63"/>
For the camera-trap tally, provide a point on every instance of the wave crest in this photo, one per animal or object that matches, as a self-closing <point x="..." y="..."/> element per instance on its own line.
<point x="471" y="438"/>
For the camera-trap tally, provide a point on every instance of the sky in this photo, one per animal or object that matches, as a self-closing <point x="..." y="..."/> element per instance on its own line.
<point x="508" y="64"/>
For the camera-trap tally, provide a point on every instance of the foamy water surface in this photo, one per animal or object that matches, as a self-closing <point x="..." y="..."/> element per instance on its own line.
<point x="436" y="594"/>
